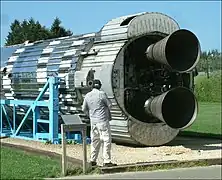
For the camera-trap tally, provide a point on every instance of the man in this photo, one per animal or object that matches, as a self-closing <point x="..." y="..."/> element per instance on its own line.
<point x="97" y="106"/>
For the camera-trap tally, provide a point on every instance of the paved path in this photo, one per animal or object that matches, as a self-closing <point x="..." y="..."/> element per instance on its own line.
<point x="210" y="172"/>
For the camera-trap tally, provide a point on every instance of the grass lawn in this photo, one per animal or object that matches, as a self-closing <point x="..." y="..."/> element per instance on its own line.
<point x="17" y="164"/>
<point x="208" y="120"/>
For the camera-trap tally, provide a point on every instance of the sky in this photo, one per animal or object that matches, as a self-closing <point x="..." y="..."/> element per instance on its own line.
<point x="201" y="17"/>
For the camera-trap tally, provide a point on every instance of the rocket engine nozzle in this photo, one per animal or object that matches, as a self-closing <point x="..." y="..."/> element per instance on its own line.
<point x="177" y="107"/>
<point x="180" y="51"/>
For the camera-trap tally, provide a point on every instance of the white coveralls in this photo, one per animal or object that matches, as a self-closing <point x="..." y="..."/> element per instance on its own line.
<point x="97" y="105"/>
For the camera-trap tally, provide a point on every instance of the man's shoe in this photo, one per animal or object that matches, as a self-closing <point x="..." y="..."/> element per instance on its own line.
<point x="109" y="164"/>
<point x="93" y="164"/>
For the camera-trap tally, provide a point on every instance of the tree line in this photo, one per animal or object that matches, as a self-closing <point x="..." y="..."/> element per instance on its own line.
<point x="33" y="31"/>
<point x="210" y="61"/>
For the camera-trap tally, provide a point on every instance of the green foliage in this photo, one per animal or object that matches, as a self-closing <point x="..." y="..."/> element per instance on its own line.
<point x="71" y="141"/>
<point x="48" y="142"/>
<point x="32" y="30"/>
<point x="15" y="35"/>
<point x="208" y="122"/>
<point x="209" y="61"/>
<point x="57" y="30"/>
<point x="208" y="89"/>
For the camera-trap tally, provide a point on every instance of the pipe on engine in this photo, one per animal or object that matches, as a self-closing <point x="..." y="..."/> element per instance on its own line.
<point x="180" y="51"/>
<point x="177" y="107"/>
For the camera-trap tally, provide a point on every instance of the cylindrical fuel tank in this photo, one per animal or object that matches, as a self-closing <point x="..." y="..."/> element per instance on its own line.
<point x="117" y="56"/>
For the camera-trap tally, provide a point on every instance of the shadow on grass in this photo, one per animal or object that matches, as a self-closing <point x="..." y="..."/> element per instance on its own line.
<point x="200" y="135"/>
<point x="197" y="143"/>
<point x="191" y="142"/>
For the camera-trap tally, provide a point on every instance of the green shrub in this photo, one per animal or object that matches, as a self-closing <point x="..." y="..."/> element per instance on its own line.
<point x="208" y="90"/>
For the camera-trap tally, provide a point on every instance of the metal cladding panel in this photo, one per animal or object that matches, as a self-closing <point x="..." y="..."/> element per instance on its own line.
<point x="102" y="63"/>
<point x="114" y="37"/>
<point x="6" y="52"/>
<point x="151" y="22"/>
<point x="114" y="30"/>
<point x="32" y="63"/>
<point x="119" y="20"/>
<point x="137" y="24"/>
<point x="119" y="125"/>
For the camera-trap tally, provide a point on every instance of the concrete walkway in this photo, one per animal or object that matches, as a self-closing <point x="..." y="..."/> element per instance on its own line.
<point x="210" y="172"/>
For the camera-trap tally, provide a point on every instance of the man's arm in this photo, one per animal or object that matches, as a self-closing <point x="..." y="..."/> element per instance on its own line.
<point x="85" y="108"/>
<point x="107" y="102"/>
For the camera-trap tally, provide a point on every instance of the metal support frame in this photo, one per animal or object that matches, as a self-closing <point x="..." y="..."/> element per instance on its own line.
<point x="52" y="104"/>
<point x="70" y="125"/>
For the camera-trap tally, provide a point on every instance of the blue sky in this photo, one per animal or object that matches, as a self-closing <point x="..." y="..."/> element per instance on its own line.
<point x="201" y="17"/>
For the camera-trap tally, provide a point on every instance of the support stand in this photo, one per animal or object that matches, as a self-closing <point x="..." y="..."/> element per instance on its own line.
<point x="13" y="127"/>
<point x="73" y="123"/>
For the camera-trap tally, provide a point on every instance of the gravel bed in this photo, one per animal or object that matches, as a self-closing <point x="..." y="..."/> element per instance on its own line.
<point x="190" y="150"/>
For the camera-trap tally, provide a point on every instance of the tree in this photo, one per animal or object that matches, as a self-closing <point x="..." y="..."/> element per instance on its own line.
<point x="38" y="32"/>
<point x="15" y="35"/>
<point x="201" y="65"/>
<point x="33" y="31"/>
<point x="57" y="30"/>
<point x="209" y="61"/>
<point x="26" y="30"/>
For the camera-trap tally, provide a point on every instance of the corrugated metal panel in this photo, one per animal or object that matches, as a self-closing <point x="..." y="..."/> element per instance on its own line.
<point x="119" y="20"/>
<point x="113" y="31"/>
<point x="119" y="123"/>
<point x="114" y="37"/>
<point x="80" y="76"/>
<point x="105" y="58"/>
<point x="40" y="59"/>
<point x="151" y="22"/>
<point x="106" y="45"/>
<point x="107" y="53"/>
<point x="112" y="26"/>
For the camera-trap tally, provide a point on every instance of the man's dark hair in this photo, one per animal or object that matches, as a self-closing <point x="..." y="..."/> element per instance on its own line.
<point x="97" y="84"/>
